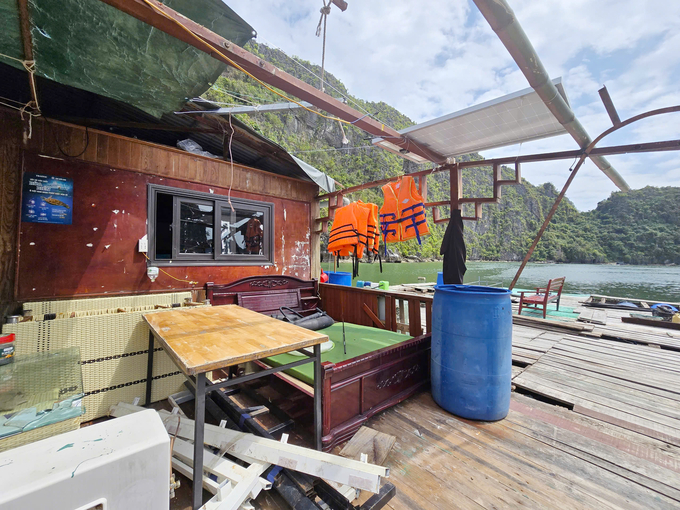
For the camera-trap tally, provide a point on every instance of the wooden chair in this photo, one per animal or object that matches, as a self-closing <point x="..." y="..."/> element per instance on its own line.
<point x="543" y="296"/>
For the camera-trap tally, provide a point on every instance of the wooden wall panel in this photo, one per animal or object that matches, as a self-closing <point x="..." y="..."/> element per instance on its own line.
<point x="10" y="171"/>
<point x="98" y="254"/>
<point x="130" y="154"/>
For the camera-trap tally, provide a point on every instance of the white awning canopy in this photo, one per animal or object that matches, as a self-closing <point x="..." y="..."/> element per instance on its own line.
<point x="508" y="120"/>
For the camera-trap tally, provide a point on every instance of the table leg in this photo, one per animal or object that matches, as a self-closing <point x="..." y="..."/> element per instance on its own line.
<point x="318" y="388"/>
<point x="199" y="425"/>
<point x="149" y="370"/>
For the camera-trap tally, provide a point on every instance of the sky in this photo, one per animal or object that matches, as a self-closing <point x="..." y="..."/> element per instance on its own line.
<point x="428" y="58"/>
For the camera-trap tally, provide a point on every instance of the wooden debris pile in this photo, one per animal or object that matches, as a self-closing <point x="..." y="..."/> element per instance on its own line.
<point x="237" y="464"/>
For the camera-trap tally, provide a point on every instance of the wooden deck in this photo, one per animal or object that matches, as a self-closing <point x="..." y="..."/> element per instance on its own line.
<point x="594" y="422"/>
<point x="540" y="456"/>
<point x="607" y="439"/>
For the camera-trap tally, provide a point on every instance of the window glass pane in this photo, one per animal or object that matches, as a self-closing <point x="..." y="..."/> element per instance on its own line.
<point x="163" y="228"/>
<point x="242" y="231"/>
<point x="196" y="228"/>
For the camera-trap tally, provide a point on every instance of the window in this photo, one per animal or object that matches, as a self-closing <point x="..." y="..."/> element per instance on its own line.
<point x="192" y="228"/>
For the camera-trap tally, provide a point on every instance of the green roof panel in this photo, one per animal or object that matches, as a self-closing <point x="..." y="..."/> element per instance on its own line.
<point x="92" y="46"/>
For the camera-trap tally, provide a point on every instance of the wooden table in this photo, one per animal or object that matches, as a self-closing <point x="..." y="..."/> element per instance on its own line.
<point x="200" y="340"/>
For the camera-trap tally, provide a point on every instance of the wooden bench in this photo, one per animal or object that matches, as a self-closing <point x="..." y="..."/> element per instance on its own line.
<point x="543" y="296"/>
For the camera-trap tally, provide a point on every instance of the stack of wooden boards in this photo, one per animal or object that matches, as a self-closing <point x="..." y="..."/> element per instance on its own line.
<point x="234" y="485"/>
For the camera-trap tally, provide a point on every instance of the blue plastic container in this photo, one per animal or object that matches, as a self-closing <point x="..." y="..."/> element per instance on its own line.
<point x="471" y="355"/>
<point x="359" y="283"/>
<point x="440" y="278"/>
<point x="339" y="278"/>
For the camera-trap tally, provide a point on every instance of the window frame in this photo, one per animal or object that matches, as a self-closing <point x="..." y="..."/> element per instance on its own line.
<point x="217" y="258"/>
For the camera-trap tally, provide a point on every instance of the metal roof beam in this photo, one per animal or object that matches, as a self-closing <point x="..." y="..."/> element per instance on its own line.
<point x="264" y="108"/>
<point x="210" y="43"/>
<point x="504" y="22"/>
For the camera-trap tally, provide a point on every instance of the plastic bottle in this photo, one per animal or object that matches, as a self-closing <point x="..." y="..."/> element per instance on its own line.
<point x="6" y="348"/>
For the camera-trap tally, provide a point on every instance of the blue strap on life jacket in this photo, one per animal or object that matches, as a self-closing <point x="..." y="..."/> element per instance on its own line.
<point x="412" y="217"/>
<point x="384" y="223"/>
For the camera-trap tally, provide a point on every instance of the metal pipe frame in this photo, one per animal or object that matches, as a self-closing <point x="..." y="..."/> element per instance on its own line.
<point x="202" y="389"/>
<point x="673" y="145"/>
<point x="668" y="145"/>
<point x="504" y="23"/>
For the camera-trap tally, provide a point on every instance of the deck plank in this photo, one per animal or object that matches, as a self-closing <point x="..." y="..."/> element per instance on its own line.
<point x="445" y="462"/>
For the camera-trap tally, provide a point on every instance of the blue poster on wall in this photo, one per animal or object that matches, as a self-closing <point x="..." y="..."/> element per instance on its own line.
<point x="47" y="199"/>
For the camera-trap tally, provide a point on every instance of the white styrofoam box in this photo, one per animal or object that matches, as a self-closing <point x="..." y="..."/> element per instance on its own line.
<point x="120" y="464"/>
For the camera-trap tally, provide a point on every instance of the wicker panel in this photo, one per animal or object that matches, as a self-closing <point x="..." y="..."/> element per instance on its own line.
<point x="113" y="355"/>
<point x="98" y="404"/>
<point x="40" y="433"/>
<point x="113" y="372"/>
<point x="80" y="305"/>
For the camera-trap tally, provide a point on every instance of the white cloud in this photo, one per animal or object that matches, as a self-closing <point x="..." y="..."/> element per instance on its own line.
<point x="430" y="58"/>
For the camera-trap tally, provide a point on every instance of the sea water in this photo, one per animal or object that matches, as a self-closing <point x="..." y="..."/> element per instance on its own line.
<point x="657" y="283"/>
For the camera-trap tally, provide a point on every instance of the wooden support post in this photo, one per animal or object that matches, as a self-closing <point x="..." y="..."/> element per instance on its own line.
<point x="414" y="321"/>
<point x="497" y="179"/>
<point x="518" y="173"/>
<point x="609" y="106"/>
<point x="314" y="241"/>
<point x="547" y="220"/>
<point x="456" y="186"/>
<point x="27" y="42"/>
<point x="422" y="184"/>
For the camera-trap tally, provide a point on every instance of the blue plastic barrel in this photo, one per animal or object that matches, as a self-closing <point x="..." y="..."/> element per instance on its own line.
<point x="471" y="355"/>
<point x="339" y="278"/>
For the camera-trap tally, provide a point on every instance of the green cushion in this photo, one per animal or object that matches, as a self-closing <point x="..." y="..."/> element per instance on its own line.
<point x="360" y="340"/>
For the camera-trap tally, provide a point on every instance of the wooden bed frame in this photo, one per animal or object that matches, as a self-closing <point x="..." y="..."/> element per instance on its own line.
<point x="355" y="389"/>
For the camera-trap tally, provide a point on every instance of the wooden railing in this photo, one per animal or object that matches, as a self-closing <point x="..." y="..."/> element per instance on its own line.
<point x="393" y="311"/>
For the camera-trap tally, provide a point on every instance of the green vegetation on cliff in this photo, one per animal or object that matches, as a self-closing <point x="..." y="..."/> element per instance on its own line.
<point x="638" y="227"/>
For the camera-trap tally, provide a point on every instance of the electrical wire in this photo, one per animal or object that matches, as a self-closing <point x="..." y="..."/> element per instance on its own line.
<point x="231" y="161"/>
<point x="240" y="93"/>
<point x="87" y="142"/>
<point x="237" y="66"/>
<point x="168" y="274"/>
<point x="349" y="99"/>
<point x="21" y="109"/>
<point x="236" y="97"/>
<point x="335" y="149"/>
<point x="29" y="65"/>
<point x="223" y="103"/>
<point x="12" y="100"/>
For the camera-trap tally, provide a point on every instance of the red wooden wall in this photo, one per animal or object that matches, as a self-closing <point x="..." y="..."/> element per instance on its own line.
<point x="98" y="253"/>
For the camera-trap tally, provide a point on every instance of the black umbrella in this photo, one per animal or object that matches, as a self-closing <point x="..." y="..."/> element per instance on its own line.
<point x="453" y="249"/>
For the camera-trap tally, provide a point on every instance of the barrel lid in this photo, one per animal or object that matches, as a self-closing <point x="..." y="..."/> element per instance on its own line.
<point x="472" y="289"/>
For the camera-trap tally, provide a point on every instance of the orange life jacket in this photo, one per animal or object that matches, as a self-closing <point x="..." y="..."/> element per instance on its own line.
<point x="402" y="216"/>
<point x="344" y="235"/>
<point x="349" y="234"/>
<point x="411" y="211"/>
<point x="389" y="215"/>
<point x="372" y="227"/>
